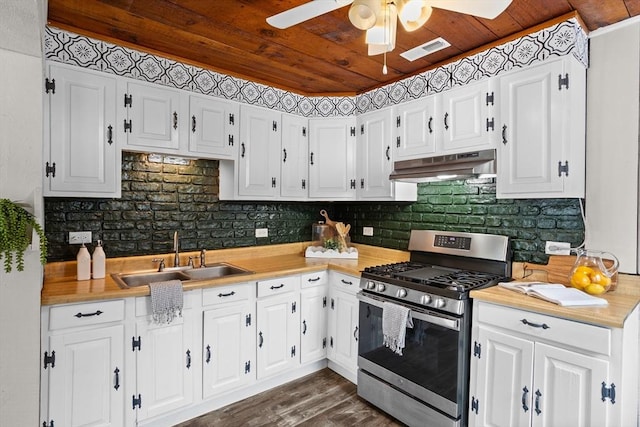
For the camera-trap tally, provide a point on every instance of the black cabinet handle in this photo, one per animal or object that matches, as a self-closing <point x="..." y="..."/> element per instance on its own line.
<point x="537" y="403"/>
<point x="175" y="120"/>
<point x="188" y="359"/>
<point x="535" y="325"/>
<point x="95" y="313"/>
<point x="304" y="327"/>
<point x="314" y="279"/>
<point x="281" y="285"/>
<point x="228" y="294"/>
<point x="346" y="282"/>
<point x="312" y="157"/>
<point x="242" y="150"/>
<point x="110" y="134"/>
<point x="284" y="158"/>
<point x="117" y="379"/>
<point x="525" y="395"/>
<point x="429" y="126"/>
<point x="193" y="124"/>
<point x="355" y="333"/>
<point x="261" y="339"/>
<point x="504" y="134"/>
<point x="208" y="358"/>
<point x="446" y="121"/>
<point x="387" y="153"/>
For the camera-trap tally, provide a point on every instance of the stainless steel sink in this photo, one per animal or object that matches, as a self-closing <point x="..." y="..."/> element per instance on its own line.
<point x="215" y="271"/>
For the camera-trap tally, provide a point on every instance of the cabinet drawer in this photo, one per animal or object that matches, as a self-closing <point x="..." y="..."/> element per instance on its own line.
<point x="318" y="278"/>
<point x="226" y="294"/>
<point x="551" y="329"/>
<point x="86" y="314"/>
<point x="345" y="282"/>
<point x="277" y="286"/>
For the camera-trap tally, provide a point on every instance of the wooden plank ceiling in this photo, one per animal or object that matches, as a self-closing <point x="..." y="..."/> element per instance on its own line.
<point x="323" y="56"/>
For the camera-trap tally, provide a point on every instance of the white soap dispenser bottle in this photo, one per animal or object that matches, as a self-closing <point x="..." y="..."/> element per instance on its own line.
<point x="98" y="261"/>
<point x="84" y="263"/>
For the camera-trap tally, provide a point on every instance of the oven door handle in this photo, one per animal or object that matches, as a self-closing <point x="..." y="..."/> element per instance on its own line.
<point x="445" y="322"/>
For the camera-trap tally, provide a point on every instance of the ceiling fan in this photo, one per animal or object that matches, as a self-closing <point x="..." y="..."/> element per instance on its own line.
<point x="379" y="17"/>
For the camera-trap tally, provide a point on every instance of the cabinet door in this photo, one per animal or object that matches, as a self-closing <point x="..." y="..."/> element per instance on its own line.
<point x="81" y="139"/>
<point x="156" y="117"/>
<point x="294" y="169"/>
<point x="568" y="388"/>
<point x="213" y="130"/>
<point x="504" y="381"/>
<point x="227" y="359"/>
<point x="417" y="130"/>
<point x="278" y="326"/>
<point x="374" y="161"/>
<point x="332" y="158"/>
<point x="85" y="385"/>
<point x="466" y="118"/>
<point x="165" y="364"/>
<point x="535" y="131"/>
<point x="343" y="339"/>
<point x="259" y="161"/>
<point x="313" y="315"/>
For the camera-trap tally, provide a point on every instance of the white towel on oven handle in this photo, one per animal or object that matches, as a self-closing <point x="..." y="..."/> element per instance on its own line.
<point x="395" y="321"/>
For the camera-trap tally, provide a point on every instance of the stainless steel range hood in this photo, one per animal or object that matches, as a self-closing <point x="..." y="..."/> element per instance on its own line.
<point x="450" y="166"/>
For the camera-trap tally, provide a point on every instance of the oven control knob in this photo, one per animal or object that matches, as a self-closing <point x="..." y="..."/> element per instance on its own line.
<point x="381" y="287"/>
<point x="439" y="303"/>
<point x="425" y="300"/>
<point x="371" y="285"/>
<point x="402" y="293"/>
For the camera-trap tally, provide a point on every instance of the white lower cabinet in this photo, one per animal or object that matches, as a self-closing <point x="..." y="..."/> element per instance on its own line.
<point x="529" y="369"/>
<point x="343" y="325"/>
<point x="83" y="365"/>
<point x="228" y="352"/>
<point x="165" y="360"/>
<point x="278" y="325"/>
<point x="313" y="315"/>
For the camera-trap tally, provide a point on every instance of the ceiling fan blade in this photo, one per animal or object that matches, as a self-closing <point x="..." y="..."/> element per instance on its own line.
<point x="304" y="12"/>
<point x="489" y="9"/>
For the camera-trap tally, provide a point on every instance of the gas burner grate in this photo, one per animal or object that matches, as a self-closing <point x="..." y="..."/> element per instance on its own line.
<point x="463" y="280"/>
<point x="391" y="270"/>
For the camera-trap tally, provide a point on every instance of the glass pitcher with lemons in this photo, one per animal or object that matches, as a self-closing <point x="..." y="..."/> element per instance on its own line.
<point x="594" y="272"/>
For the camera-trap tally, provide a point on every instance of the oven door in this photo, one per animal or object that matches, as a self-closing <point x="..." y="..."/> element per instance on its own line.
<point x="432" y="367"/>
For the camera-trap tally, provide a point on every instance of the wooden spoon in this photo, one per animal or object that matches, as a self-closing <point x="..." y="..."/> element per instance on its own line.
<point x="327" y="219"/>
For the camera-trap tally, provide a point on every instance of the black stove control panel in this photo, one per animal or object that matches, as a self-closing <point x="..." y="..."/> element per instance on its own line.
<point x="452" y="242"/>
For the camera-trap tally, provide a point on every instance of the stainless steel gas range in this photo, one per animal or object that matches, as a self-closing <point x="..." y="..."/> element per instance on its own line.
<point x="428" y="384"/>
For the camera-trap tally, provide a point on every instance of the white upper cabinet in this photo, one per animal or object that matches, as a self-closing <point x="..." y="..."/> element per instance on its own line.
<point x="541" y="153"/>
<point x="374" y="161"/>
<point x="416" y="129"/>
<point x="332" y="172"/>
<point x="213" y="127"/>
<point x="80" y="150"/>
<point x="155" y="118"/>
<point x="469" y="117"/>
<point x="259" y="157"/>
<point x="294" y="171"/>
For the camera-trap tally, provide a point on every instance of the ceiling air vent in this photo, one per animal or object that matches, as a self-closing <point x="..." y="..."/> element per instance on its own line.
<point x="425" y="49"/>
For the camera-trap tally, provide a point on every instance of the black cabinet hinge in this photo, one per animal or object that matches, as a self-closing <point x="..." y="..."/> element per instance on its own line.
<point x="490" y="98"/>
<point x="232" y="119"/>
<point x="333" y="304"/>
<point x="361" y="129"/>
<point x="397" y="141"/>
<point x="293" y="307"/>
<point x="324" y="343"/>
<point x="128" y="100"/>
<point x="50" y="169"/>
<point x="49" y="85"/>
<point x="275" y="126"/>
<point x="563" y="81"/>
<point x="397" y="121"/>
<point x="608" y="392"/>
<point x="293" y="351"/>
<point x="304" y="184"/>
<point x="563" y="168"/>
<point x="136" y="343"/>
<point x="352" y="131"/>
<point x="136" y="402"/>
<point x="247" y="366"/>
<point x="331" y="342"/>
<point x="304" y="131"/>
<point x="247" y="320"/>
<point x="44" y="424"/>
<point x="231" y="140"/>
<point x="477" y="349"/>
<point x="352" y="184"/>
<point x="324" y="302"/>
<point x="127" y="126"/>
<point x="491" y="124"/>
<point x="474" y="405"/>
<point x="49" y="360"/>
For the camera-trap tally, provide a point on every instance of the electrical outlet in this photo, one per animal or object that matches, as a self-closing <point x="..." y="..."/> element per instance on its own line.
<point x="367" y="231"/>
<point x="557" y="248"/>
<point x="79" y="237"/>
<point x="262" y="232"/>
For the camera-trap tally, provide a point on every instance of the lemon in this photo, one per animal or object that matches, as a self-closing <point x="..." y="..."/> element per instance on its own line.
<point x="583" y="269"/>
<point x="580" y="280"/>
<point x="595" y="289"/>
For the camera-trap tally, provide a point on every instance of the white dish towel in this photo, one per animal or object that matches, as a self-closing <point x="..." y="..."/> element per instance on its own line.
<point x="166" y="300"/>
<point x="395" y="321"/>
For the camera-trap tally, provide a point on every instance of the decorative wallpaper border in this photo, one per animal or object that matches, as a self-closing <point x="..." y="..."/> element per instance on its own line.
<point x="565" y="38"/>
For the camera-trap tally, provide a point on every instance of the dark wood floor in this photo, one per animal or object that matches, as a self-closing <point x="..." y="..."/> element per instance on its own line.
<point x="320" y="399"/>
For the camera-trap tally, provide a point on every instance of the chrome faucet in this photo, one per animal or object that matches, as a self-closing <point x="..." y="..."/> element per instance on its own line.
<point x="176" y="258"/>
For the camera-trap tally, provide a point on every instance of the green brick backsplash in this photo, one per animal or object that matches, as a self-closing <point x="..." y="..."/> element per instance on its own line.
<point x="162" y="194"/>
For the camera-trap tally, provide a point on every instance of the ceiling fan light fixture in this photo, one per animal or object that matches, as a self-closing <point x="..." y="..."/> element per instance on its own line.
<point x="384" y="32"/>
<point x="413" y="14"/>
<point x="363" y="13"/>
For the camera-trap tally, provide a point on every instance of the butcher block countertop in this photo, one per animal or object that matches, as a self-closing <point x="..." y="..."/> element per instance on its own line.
<point x="622" y="301"/>
<point x="61" y="287"/>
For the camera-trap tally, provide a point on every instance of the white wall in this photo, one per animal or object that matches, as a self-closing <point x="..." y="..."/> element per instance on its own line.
<point x="21" y="29"/>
